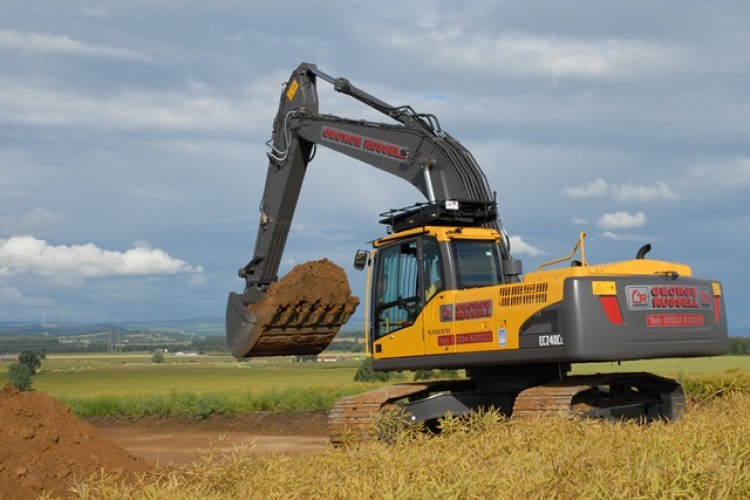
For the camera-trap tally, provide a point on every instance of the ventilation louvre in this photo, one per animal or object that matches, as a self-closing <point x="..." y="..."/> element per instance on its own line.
<point x="524" y="293"/>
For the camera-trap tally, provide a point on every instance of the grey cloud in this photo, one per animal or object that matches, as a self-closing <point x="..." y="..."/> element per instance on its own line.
<point x="38" y="221"/>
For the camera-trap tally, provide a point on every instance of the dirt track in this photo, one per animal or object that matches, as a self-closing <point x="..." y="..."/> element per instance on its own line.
<point x="180" y="440"/>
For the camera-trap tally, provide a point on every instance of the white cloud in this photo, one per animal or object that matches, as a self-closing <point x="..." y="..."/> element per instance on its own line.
<point x="593" y="189"/>
<point x="20" y="254"/>
<point x="640" y="238"/>
<point x="49" y="43"/>
<point x="634" y="192"/>
<point x="621" y="220"/>
<point x="520" y="247"/>
<point x="621" y="192"/>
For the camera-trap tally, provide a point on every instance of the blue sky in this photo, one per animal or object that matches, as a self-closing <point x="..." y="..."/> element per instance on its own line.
<point x="132" y="138"/>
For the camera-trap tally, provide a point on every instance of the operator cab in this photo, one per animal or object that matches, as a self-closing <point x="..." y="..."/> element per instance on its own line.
<point x="431" y="249"/>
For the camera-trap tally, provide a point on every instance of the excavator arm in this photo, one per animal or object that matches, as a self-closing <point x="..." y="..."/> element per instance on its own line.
<point x="414" y="148"/>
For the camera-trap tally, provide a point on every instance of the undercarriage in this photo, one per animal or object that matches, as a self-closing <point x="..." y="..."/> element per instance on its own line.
<point x="643" y="397"/>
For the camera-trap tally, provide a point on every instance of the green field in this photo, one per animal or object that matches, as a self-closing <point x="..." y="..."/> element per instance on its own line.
<point x="130" y="384"/>
<point x="65" y="376"/>
<point x="134" y="374"/>
<point x="671" y="367"/>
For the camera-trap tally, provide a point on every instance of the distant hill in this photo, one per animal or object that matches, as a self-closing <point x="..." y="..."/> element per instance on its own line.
<point x="201" y="326"/>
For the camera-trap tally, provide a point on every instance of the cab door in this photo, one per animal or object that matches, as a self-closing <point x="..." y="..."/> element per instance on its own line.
<point x="397" y="301"/>
<point x="438" y="315"/>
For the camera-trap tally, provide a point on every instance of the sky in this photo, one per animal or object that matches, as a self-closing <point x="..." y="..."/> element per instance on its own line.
<point x="133" y="155"/>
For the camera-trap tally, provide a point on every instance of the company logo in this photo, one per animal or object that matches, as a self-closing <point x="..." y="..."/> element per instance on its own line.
<point x="364" y="143"/>
<point x="474" y="309"/>
<point x="466" y="310"/>
<point x="668" y="297"/>
<point x="638" y="297"/>
<point x="446" y="313"/>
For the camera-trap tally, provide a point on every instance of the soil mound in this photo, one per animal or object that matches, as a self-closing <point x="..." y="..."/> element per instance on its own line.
<point x="43" y="445"/>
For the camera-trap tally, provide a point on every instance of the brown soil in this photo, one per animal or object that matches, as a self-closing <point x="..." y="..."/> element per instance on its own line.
<point x="180" y="441"/>
<point x="302" y="312"/>
<point x="315" y="282"/>
<point x="319" y="280"/>
<point x="43" y="445"/>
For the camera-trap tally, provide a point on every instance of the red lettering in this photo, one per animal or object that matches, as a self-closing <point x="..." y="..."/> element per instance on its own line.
<point x="674" y="320"/>
<point x="444" y="340"/>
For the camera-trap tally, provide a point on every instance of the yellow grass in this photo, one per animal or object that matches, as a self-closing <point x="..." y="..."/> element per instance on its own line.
<point x="703" y="455"/>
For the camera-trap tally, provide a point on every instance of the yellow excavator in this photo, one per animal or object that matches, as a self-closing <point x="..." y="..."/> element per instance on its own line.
<point x="444" y="292"/>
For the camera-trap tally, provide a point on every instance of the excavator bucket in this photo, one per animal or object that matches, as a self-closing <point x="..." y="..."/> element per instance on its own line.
<point x="299" y="315"/>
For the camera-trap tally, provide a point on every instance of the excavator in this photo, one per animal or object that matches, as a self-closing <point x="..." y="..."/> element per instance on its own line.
<point x="444" y="292"/>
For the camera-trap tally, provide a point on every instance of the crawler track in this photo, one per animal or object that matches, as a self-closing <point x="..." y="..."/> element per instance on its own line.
<point x="352" y="418"/>
<point x="640" y="396"/>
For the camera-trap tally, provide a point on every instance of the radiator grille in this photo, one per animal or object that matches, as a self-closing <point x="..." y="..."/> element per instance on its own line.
<point x="524" y="293"/>
<point x="543" y="322"/>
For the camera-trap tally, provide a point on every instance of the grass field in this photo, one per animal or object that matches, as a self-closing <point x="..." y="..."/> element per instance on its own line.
<point x="130" y="384"/>
<point x="135" y="374"/>
<point x="110" y="375"/>
<point x="670" y="367"/>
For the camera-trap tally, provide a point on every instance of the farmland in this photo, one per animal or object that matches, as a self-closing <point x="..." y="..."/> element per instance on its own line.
<point x="130" y="384"/>
<point x="702" y="455"/>
<point x="135" y="374"/>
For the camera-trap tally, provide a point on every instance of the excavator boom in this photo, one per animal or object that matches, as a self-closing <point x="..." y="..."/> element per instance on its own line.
<point x="413" y="148"/>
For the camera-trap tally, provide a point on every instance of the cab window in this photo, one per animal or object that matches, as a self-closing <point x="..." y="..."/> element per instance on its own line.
<point x="397" y="291"/>
<point x="477" y="263"/>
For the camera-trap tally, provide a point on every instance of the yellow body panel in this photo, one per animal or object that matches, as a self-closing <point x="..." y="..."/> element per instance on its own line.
<point x="404" y="342"/>
<point x="490" y="318"/>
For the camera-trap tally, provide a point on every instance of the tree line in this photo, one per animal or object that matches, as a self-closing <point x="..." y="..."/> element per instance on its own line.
<point x="739" y="345"/>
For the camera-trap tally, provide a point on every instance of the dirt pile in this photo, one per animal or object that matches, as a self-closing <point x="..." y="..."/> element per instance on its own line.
<point x="302" y="312"/>
<point x="319" y="281"/>
<point x="43" y="445"/>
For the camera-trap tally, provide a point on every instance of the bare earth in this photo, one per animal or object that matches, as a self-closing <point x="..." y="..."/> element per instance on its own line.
<point x="43" y="445"/>
<point x="181" y="440"/>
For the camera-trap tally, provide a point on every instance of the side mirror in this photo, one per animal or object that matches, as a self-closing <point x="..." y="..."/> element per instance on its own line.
<point x="360" y="259"/>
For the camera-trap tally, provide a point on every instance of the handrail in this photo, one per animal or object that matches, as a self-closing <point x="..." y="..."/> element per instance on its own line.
<point x="578" y="245"/>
